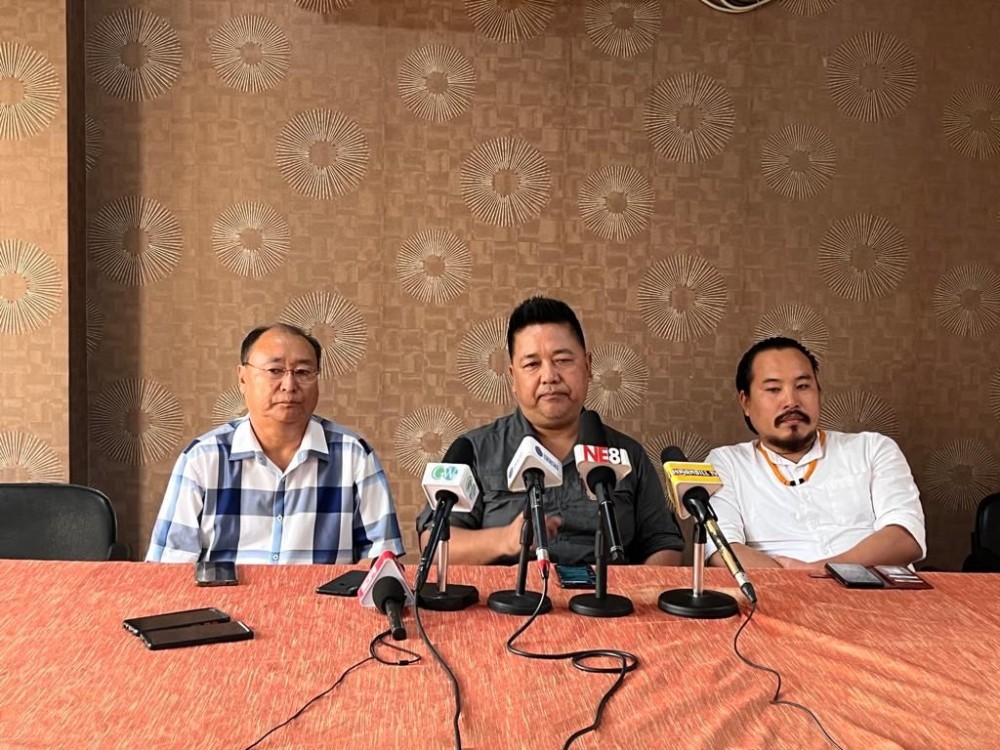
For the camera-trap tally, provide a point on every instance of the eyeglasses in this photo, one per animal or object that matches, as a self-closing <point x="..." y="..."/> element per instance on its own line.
<point x="277" y="374"/>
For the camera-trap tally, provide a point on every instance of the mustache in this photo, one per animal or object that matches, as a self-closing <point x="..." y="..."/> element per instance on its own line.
<point x="789" y="415"/>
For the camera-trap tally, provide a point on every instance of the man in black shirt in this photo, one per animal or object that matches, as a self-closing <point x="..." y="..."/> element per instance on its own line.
<point x="550" y="366"/>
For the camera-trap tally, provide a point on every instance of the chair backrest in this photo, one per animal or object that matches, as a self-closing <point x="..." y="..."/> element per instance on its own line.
<point x="985" y="554"/>
<point x="55" y="522"/>
<point x="987" y="532"/>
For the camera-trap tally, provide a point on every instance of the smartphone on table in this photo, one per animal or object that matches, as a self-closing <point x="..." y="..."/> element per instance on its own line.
<point x="855" y="576"/>
<point x="576" y="576"/>
<point x="197" y="635"/>
<point x="346" y="584"/>
<point x="169" y="620"/>
<point x="220" y="573"/>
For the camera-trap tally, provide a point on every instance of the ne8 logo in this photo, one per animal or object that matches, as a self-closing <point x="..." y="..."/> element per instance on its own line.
<point x="602" y="455"/>
<point x="617" y="456"/>
<point x="444" y="473"/>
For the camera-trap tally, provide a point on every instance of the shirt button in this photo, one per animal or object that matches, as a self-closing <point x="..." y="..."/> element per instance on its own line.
<point x="274" y="557"/>
<point x="278" y="519"/>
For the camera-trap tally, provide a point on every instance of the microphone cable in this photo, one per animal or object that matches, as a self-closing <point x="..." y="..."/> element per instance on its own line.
<point x="775" y="700"/>
<point x="579" y="660"/>
<point x="455" y="689"/>
<point x="378" y="640"/>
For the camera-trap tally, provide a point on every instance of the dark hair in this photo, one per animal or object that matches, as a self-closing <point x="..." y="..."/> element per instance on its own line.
<point x="535" y="310"/>
<point x="256" y="333"/>
<point x="744" y="370"/>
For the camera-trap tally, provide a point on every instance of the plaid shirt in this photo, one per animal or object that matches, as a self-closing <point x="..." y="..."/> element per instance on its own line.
<point x="227" y="501"/>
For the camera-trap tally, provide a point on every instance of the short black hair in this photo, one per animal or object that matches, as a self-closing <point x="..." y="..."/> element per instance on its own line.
<point x="256" y="333"/>
<point x="536" y="310"/>
<point x="744" y="370"/>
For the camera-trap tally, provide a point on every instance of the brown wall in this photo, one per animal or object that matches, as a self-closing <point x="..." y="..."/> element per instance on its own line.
<point x="825" y="168"/>
<point x="34" y="247"/>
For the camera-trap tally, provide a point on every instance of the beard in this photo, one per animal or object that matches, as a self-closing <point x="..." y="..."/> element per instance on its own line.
<point x="796" y="442"/>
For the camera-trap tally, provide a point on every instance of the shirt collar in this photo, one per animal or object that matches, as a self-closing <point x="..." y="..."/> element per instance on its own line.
<point x="246" y="445"/>
<point x="525" y="428"/>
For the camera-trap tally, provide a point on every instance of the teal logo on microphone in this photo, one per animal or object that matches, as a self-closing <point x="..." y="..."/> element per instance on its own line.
<point x="444" y="473"/>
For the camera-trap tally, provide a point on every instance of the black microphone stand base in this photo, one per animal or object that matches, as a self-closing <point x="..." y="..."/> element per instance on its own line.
<point x="609" y="605"/>
<point x="456" y="596"/>
<point x="512" y="603"/>
<point x="708" y="605"/>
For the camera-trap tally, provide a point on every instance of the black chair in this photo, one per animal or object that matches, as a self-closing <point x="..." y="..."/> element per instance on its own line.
<point x="57" y="522"/>
<point x="985" y="556"/>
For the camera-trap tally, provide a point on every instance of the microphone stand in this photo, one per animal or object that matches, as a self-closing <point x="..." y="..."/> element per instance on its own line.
<point x="601" y="603"/>
<point x="442" y="596"/>
<point x="696" y="602"/>
<point x="519" y="601"/>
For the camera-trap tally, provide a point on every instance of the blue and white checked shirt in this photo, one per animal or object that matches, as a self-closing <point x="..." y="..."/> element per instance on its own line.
<point x="227" y="501"/>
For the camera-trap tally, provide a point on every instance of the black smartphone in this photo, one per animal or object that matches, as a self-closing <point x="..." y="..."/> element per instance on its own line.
<point x="138" y="625"/>
<point x="855" y="576"/>
<point x="197" y="635"/>
<point x="576" y="576"/>
<point x="344" y="585"/>
<point x="219" y="573"/>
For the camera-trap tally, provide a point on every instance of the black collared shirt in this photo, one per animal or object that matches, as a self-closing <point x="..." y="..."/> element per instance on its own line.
<point x="646" y="523"/>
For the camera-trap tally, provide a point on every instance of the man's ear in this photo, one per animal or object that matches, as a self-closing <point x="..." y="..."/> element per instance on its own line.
<point x="241" y="378"/>
<point x="590" y="362"/>
<point x="745" y="402"/>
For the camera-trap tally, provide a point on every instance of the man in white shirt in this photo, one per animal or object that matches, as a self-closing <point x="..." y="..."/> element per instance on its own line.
<point x="799" y="496"/>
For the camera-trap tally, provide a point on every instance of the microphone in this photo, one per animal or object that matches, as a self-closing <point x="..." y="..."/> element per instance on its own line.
<point x="533" y="467"/>
<point x="448" y="486"/>
<point x="388" y="595"/>
<point x="690" y="486"/>
<point x="385" y="589"/>
<point x="601" y="468"/>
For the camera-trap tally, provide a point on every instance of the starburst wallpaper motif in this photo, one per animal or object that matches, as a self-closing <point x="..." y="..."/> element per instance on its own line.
<point x="134" y="55"/>
<point x="799" y="322"/>
<point x="505" y="182"/>
<point x="872" y="76"/>
<point x="33" y="99"/>
<point x="135" y="240"/>
<point x="623" y="28"/>
<point x="510" y="21"/>
<point x="337" y="324"/>
<point x="322" y="153"/>
<point x="798" y="161"/>
<point x="483" y="362"/>
<point x="437" y="82"/>
<point x="396" y="176"/>
<point x="250" y="53"/>
<point x="616" y="202"/>
<point x="689" y="117"/>
<point x="30" y="287"/>
<point x="863" y="257"/>
<point x="682" y="298"/>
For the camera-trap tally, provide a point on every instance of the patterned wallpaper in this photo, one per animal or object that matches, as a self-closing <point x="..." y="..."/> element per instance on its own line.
<point x="396" y="176"/>
<point x="34" y="366"/>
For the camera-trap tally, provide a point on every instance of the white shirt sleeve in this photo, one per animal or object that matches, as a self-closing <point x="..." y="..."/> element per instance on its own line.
<point x="895" y="497"/>
<point x="725" y="502"/>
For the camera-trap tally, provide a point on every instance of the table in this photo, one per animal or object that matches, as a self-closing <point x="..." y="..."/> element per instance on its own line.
<point x="882" y="669"/>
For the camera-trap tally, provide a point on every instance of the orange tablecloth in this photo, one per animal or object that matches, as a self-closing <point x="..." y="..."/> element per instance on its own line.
<point x="882" y="669"/>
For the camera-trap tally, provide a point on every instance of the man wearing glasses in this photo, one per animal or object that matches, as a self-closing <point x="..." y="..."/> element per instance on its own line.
<point x="280" y="485"/>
